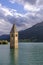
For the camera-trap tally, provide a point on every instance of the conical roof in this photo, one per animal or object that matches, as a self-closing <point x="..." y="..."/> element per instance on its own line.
<point x="13" y="28"/>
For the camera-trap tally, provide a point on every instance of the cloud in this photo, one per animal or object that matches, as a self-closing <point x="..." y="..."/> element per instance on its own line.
<point x="10" y="16"/>
<point x="5" y="27"/>
<point x="29" y="5"/>
<point x="35" y="7"/>
<point x="32" y="8"/>
<point x="23" y="1"/>
<point x="39" y="2"/>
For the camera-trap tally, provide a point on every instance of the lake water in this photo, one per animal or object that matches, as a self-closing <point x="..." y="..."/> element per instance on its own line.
<point x="26" y="54"/>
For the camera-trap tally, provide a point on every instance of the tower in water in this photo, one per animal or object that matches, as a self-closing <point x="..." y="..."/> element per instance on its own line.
<point x="14" y="37"/>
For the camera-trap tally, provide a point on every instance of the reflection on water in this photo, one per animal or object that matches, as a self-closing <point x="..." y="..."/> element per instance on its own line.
<point x="13" y="56"/>
<point x="26" y="54"/>
<point x="16" y="56"/>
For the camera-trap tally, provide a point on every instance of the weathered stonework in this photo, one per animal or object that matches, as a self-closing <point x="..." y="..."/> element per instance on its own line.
<point x="13" y="37"/>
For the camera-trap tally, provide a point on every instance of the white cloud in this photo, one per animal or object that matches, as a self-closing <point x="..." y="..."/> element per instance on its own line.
<point x="5" y="26"/>
<point x="9" y="16"/>
<point x="22" y="1"/>
<point x="12" y="1"/>
<point x="9" y="11"/>
<point x="6" y="11"/>
<point x="5" y="23"/>
<point x="39" y="2"/>
<point x="18" y="1"/>
<point x="27" y="4"/>
<point x="29" y="7"/>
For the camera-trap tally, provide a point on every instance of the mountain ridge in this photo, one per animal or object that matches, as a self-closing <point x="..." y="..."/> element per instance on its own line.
<point x="35" y="33"/>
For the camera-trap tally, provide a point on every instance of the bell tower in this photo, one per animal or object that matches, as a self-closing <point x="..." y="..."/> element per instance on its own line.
<point x="14" y="37"/>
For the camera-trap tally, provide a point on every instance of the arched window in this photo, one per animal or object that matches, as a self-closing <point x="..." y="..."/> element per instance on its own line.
<point x="16" y="35"/>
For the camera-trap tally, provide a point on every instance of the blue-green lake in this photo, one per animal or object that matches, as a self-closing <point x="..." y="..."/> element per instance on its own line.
<point x="26" y="54"/>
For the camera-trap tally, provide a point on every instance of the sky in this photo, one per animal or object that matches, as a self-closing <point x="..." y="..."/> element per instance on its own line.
<point x="23" y="13"/>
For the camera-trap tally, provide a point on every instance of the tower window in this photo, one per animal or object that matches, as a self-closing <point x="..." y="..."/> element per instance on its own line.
<point x="12" y="35"/>
<point x="16" y="35"/>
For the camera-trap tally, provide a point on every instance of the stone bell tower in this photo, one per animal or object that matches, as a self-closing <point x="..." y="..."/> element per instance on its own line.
<point x="14" y="37"/>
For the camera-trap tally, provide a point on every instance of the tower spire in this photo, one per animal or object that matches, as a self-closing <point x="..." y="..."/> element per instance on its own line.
<point x="14" y="37"/>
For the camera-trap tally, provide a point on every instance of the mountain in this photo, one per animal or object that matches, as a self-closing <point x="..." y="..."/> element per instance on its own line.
<point x="34" y="33"/>
<point x="5" y="37"/>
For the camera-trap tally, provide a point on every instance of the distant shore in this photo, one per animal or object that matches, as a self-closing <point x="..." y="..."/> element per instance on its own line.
<point x="3" y="42"/>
